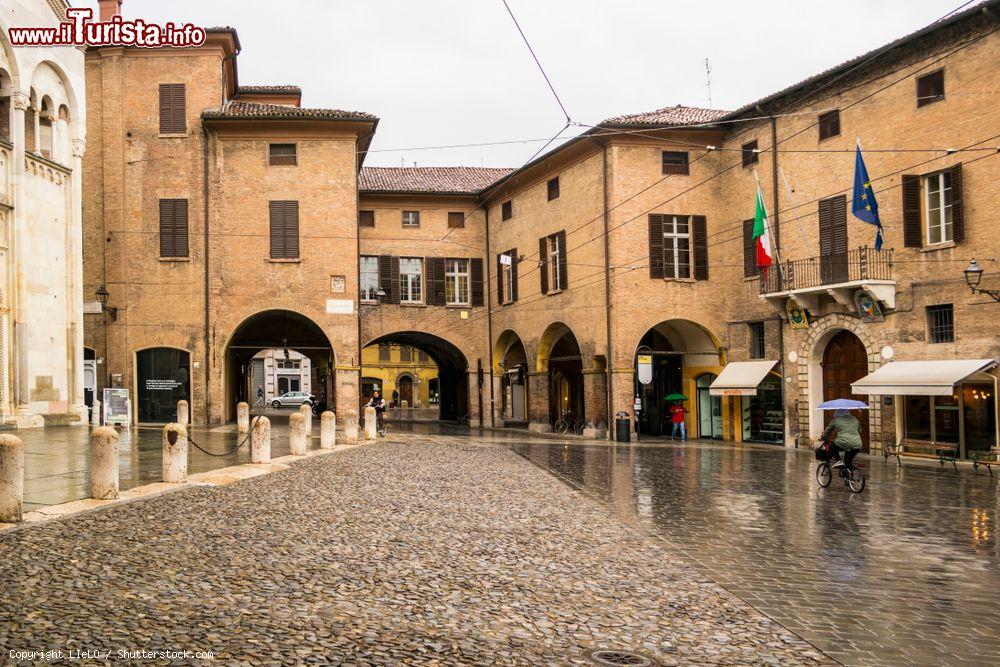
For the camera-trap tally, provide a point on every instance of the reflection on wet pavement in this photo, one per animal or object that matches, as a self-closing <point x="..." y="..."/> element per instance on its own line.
<point x="904" y="573"/>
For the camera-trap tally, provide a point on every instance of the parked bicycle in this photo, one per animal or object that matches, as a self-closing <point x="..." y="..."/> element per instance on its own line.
<point x="853" y="476"/>
<point x="567" y="423"/>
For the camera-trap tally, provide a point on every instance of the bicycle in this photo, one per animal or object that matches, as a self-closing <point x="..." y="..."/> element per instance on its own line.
<point x="380" y="423"/>
<point x="562" y="425"/>
<point x="854" y="477"/>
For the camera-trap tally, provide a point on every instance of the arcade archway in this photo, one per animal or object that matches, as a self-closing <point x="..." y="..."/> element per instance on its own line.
<point x="559" y="356"/>
<point x="283" y="332"/>
<point x="450" y="389"/>
<point x="512" y="368"/>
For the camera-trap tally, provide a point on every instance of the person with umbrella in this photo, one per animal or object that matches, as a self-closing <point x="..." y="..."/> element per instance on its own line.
<point x="844" y="430"/>
<point x="677" y="414"/>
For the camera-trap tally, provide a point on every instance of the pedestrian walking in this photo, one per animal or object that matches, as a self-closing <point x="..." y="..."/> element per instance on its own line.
<point x="677" y="413"/>
<point x="260" y="396"/>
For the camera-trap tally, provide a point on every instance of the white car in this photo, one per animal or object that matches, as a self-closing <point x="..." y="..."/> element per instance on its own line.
<point x="293" y="399"/>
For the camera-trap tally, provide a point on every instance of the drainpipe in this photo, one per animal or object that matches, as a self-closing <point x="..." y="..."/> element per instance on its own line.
<point x="207" y="341"/>
<point x="777" y="253"/>
<point x="489" y="317"/>
<point x="607" y="291"/>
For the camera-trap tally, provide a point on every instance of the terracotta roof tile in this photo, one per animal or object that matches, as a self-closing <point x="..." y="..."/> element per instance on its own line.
<point x="448" y="180"/>
<point x="254" y="110"/>
<point x="676" y="115"/>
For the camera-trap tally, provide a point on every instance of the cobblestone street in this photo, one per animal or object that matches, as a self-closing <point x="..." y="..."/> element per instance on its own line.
<point x="436" y="551"/>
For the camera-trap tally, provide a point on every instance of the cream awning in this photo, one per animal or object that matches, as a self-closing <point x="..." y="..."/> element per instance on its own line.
<point x="920" y="378"/>
<point x="741" y="378"/>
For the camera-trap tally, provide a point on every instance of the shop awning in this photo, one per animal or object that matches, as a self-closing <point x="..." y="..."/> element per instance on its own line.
<point x="920" y="378"/>
<point x="741" y="378"/>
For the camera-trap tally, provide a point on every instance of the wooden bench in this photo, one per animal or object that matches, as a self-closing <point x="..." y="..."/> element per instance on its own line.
<point x="988" y="460"/>
<point x="942" y="451"/>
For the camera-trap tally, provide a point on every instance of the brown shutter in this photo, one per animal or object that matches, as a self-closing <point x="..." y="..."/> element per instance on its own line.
<point x="476" y="277"/>
<point x="957" y="210"/>
<point x="911" y="212"/>
<point x="825" y="227"/>
<point x="385" y="274"/>
<point x="181" y="227"/>
<point x="699" y="233"/>
<point x="655" y="245"/>
<point x="166" y="228"/>
<point x="513" y="273"/>
<point x="543" y="264"/>
<point x="179" y="109"/>
<point x="563" y="261"/>
<point x="435" y="281"/>
<point x="277" y="212"/>
<point x="500" y="278"/>
<point x="393" y="290"/>
<point x="366" y="218"/>
<point x="291" y="229"/>
<point x="749" y="250"/>
<point x="839" y="222"/>
<point x="166" y="117"/>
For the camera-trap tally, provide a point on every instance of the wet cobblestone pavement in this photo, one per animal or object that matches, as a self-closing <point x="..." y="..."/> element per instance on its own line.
<point x="905" y="573"/>
<point x="433" y="551"/>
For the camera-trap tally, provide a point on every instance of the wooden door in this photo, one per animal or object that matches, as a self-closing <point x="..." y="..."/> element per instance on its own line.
<point x="844" y="362"/>
<point x="406" y="390"/>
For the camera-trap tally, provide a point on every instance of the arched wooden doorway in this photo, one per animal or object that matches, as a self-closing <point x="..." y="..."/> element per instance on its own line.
<point x="405" y="387"/>
<point x="844" y="362"/>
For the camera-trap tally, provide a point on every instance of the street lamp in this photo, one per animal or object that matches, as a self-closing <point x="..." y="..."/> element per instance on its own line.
<point x="379" y="295"/>
<point x="974" y="276"/>
<point x="103" y="295"/>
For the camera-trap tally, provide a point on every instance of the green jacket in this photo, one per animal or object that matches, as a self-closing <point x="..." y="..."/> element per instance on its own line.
<point x="848" y="432"/>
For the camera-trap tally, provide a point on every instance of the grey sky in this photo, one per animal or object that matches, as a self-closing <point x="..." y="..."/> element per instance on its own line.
<point x="455" y="71"/>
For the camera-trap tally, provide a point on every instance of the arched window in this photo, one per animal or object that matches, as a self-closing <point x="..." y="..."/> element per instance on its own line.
<point x="6" y="88"/>
<point x="45" y="119"/>
<point x="30" y="118"/>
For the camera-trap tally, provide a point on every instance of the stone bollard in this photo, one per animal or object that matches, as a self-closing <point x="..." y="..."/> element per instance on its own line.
<point x="242" y="417"/>
<point x="104" y="463"/>
<point x="11" y="478"/>
<point x="307" y="415"/>
<point x="327" y="430"/>
<point x="95" y="413"/>
<point x="175" y="453"/>
<point x="182" y="413"/>
<point x="297" y="434"/>
<point x="351" y="427"/>
<point x="260" y="441"/>
<point x="371" y="421"/>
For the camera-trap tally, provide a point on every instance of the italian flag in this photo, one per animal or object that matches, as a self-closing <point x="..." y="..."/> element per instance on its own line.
<point x="762" y="232"/>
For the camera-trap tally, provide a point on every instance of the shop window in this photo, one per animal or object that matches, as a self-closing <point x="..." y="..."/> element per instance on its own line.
<point x="980" y="416"/>
<point x="917" y="417"/>
<point x="675" y="163"/>
<point x="756" y="330"/>
<point x="941" y="323"/>
<point x="763" y="416"/>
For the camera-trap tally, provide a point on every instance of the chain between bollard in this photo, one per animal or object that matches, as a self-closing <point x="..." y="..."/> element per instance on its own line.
<point x="235" y="449"/>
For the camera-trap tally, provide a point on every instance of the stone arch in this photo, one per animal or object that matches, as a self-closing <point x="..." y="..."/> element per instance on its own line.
<point x="511" y="363"/>
<point x="506" y="342"/>
<point x="810" y="374"/>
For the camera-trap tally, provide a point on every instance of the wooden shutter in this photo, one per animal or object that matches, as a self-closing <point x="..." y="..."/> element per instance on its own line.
<point x="181" y="227"/>
<point x="435" y="281"/>
<point x="911" y="212"/>
<point x="476" y="278"/>
<point x="277" y="212"/>
<point x="749" y="250"/>
<point x="563" y="261"/>
<point x="957" y="211"/>
<point x="655" y="245"/>
<point x="543" y="264"/>
<point x="291" y="229"/>
<point x="513" y="273"/>
<point x="500" y="268"/>
<point x="385" y="275"/>
<point x="393" y="290"/>
<point x="172" y="109"/>
<point x="699" y="239"/>
<point x="167" y="228"/>
<point x="366" y="218"/>
<point x="833" y="226"/>
<point x="456" y="220"/>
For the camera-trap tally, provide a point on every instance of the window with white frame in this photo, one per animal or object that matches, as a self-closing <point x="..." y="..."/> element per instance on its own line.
<point x="456" y="282"/>
<point x="938" y="208"/>
<point x="508" y="279"/>
<point x="676" y="247"/>
<point x="555" y="252"/>
<point x="369" y="278"/>
<point x="411" y="279"/>
<point x="411" y="218"/>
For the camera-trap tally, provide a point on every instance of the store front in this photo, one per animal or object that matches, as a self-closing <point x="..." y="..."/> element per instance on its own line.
<point x="947" y="401"/>
<point x="709" y="408"/>
<point x="162" y="378"/>
<point x="757" y="395"/>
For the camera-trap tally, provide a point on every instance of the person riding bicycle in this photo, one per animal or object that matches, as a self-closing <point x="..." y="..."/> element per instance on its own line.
<point x="378" y="403"/>
<point x="845" y="430"/>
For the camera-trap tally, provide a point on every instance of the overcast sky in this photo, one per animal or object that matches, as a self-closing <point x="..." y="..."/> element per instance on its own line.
<point x="455" y="71"/>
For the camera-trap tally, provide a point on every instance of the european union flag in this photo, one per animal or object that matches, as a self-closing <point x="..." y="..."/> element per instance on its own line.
<point x="863" y="204"/>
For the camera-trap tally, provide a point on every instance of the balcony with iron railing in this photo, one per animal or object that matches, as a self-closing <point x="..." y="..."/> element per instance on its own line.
<point x="838" y="275"/>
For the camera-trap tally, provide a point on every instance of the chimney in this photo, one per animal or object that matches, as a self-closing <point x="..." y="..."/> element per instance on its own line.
<point x="109" y="8"/>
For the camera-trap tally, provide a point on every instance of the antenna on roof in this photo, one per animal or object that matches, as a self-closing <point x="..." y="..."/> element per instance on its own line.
<point x="708" y="81"/>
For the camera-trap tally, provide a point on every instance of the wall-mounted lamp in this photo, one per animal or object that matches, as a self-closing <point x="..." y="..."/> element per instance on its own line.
<point x="974" y="276"/>
<point x="103" y="295"/>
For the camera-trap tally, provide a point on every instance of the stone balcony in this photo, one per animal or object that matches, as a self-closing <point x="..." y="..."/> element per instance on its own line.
<point x="838" y="276"/>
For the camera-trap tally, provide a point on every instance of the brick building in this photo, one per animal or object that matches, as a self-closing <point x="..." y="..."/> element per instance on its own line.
<point x="536" y="290"/>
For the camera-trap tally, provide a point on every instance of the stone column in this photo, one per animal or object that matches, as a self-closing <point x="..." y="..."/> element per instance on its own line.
<point x="175" y="446"/>
<point x="351" y="427"/>
<point x="371" y="421"/>
<point x="19" y="101"/>
<point x="327" y="430"/>
<point x="242" y="417"/>
<point x="260" y="441"/>
<point x="297" y="434"/>
<point x="74" y="266"/>
<point x="182" y="413"/>
<point x="538" y="402"/>
<point x="307" y="417"/>
<point x="95" y="414"/>
<point x="104" y="463"/>
<point x="11" y="478"/>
